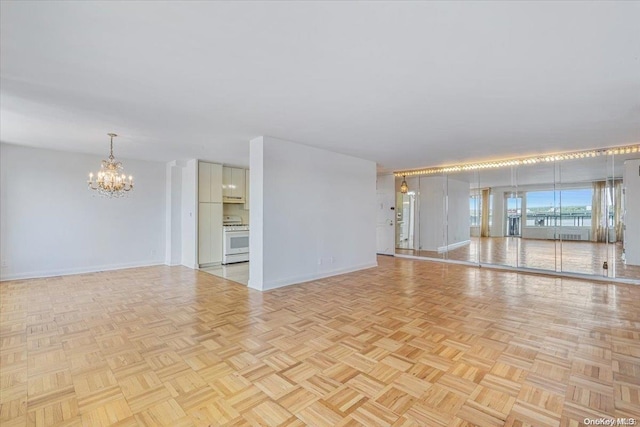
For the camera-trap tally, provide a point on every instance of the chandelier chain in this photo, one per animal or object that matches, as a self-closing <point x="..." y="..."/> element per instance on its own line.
<point x="109" y="182"/>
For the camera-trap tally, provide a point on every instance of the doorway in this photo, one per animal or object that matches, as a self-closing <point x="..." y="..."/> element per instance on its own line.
<point x="386" y="215"/>
<point x="405" y="220"/>
<point x="513" y="213"/>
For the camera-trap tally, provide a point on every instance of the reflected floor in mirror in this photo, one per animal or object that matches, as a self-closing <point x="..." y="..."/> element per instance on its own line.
<point x="566" y="256"/>
<point x="238" y="272"/>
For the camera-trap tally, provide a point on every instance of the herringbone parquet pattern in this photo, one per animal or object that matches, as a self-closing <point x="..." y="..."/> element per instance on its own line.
<point x="408" y="343"/>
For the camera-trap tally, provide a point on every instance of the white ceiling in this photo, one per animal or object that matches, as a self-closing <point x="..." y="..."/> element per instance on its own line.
<point x="406" y="84"/>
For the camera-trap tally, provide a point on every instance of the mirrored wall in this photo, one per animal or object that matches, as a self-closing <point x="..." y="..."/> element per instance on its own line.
<point x="560" y="216"/>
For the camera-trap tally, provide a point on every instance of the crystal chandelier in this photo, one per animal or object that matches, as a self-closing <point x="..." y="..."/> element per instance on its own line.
<point x="110" y="181"/>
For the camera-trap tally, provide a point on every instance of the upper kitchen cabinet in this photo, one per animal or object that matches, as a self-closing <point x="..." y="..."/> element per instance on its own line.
<point x="246" y="191"/>
<point x="209" y="182"/>
<point x="233" y="185"/>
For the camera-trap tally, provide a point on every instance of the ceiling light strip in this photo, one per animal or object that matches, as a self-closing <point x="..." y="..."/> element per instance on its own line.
<point x="629" y="149"/>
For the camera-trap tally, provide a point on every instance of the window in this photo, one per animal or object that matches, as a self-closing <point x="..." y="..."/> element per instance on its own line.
<point x="475" y="210"/>
<point x="560" y="208"/>
<point x="475" y="200"/>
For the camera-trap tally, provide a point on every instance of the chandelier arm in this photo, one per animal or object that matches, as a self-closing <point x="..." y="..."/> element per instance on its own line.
<point x="109" y="182"/>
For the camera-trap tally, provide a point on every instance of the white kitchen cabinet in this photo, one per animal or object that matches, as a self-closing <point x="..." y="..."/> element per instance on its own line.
<point x="209" y="182"/>
<point x="209" y="233"/>
<point x="233" y="182"/>
<point x="204" y="182"/>
<point x="246" y="190"/>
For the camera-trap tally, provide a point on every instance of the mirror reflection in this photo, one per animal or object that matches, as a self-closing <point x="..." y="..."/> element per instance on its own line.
<point x="464" y="213"/>
<point x="406" y="220"/>
<point x="568" y="216"/>
<point x="586" y="216"/>
<point x="540" y="209"/>
<point x="407" y="223"/>
<point x="501" y="218"/>
<point x="432" y="228"/>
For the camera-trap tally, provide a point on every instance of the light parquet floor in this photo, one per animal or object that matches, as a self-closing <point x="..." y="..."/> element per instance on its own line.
<point x="408" y="343"/>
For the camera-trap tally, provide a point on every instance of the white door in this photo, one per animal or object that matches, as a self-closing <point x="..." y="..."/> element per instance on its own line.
<point x="385" y="229"/>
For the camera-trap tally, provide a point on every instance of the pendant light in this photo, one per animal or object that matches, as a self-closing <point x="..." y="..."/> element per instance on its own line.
<point x="404" y="188"/>
<point x="110" y="181"/>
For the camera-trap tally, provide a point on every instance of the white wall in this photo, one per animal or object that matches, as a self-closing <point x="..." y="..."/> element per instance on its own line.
<point x="173" y="222"/>
<point x="457" y="212"/>
<point x="256" y="233"/>
<point x="444" y="213"/>
<point x="51" y="224"/>
<point x="189" y="223"/>
<point x="432" y="211"/>
<point x="318" y="213"/>
<point x="385" y="214"/>
<point x="631" y="184"/>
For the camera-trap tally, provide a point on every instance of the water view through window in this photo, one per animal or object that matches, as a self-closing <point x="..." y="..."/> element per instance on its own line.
<point x="560" y="208"/>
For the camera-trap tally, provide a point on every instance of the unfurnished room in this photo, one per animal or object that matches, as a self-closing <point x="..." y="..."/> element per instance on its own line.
<point x="292" y="213"/>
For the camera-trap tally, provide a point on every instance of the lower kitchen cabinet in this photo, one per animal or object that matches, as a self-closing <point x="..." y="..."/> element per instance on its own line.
<point x="209" y="233"/>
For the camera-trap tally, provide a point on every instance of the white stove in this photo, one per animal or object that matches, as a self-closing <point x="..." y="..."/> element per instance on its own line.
<point x="236" y="240"/>
<point x="242" y="227"/>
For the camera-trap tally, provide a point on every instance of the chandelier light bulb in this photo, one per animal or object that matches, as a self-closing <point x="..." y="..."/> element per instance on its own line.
<point x="110" y="182"/>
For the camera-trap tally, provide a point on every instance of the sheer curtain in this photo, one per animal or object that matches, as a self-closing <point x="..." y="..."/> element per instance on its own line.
<point x="617" y="208"/>
<point x="484" y="217"/>
<point x="598" y="212"/>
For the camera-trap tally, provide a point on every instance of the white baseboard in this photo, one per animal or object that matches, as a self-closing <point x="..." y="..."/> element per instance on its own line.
<point x="191" y="266"/>
<point x="252" y="286"/>
<point x="452" y="246"/>
<point x="79" y="270"/>
<point x="279" y="283"/>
